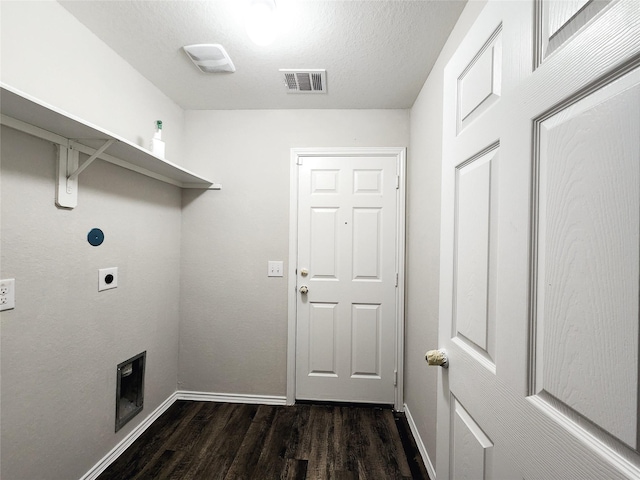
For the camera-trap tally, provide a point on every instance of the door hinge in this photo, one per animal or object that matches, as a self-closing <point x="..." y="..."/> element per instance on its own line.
<point x="397" y="279"/>
<point x="397" y="182"/>
<point x="395" y="378"/>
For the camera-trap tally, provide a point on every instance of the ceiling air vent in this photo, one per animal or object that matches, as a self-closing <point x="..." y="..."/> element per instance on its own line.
<point x="305" y="81"/>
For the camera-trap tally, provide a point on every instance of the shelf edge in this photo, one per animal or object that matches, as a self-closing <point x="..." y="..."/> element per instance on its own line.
<point x="31" y="102"/>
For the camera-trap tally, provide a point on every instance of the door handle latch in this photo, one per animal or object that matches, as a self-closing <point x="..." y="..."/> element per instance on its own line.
<point x="304" y="289"/>
<point x="437" y="358"/>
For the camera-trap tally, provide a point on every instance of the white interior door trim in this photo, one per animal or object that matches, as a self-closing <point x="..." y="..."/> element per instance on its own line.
<point x="296" y="154"/>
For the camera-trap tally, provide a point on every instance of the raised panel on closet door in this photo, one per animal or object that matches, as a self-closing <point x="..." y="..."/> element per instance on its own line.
<point x="588" y="260"/>
<point x="471" y="449"/>
<point x="475" y="231"/>
<point x="480" y="84"/>
<point x="558" y="20"/>
<point x="322" y="339"/>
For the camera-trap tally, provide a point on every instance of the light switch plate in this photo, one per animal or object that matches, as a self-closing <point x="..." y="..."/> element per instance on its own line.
<point x="275" y="268"/>
<point x="107" y="278"/>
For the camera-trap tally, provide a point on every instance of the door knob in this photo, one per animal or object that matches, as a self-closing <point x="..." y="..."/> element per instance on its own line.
<point x="304" y="289"/>
<point x="437" y="358"/>
<point x="304" y="272"/>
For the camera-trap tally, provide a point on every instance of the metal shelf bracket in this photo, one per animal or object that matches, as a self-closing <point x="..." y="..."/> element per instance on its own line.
<point x="90" y="160"/>
<point x="68" y="172"/>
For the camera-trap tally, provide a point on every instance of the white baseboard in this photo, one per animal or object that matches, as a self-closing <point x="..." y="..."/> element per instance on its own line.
<point x="421" y="448"/>
<point x="231" y="398"/>
<point x="110" y="457"/>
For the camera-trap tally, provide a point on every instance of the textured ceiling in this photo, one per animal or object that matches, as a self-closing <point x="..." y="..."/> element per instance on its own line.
<point x="377" y="53"/>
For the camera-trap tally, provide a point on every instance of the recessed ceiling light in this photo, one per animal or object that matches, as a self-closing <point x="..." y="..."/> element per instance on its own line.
<point x="210" y="58"/>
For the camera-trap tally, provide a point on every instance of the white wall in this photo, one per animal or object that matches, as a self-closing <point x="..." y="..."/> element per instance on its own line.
<point x="423" y="240"/>
<point x="233" y="336"/>
<point x="61" y="345"/>
<point x="48" y="54"/>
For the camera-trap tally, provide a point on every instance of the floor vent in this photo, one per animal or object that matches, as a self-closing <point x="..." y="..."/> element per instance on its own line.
<point x="305" y="81"/>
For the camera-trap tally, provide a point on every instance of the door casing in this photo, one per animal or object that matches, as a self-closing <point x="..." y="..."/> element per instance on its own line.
<point x="296" y="155"/>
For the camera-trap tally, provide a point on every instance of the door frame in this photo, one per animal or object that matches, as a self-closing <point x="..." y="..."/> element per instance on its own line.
<point x="296" y="155"/>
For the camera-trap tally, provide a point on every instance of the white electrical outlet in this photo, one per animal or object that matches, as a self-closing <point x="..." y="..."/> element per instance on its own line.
<point x="107" y="278"/>
<point x="275" y="269"/>
<point x="7" y="294"/>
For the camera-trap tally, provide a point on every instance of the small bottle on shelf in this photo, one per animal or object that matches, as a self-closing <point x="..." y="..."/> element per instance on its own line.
<point x="157" y="145"/>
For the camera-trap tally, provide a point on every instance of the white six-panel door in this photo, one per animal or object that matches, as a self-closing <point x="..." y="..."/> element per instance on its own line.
<point x="347" y="254"/>
<point x="540" y="262"/>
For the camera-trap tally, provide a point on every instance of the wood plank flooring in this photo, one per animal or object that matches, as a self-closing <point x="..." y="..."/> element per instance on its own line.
<point x="205" y="440"/>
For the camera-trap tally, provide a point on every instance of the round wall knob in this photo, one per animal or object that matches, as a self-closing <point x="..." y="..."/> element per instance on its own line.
<point x="304" y="272"/>
<point x="304" y="289"/>
<point x="437" y="358"/>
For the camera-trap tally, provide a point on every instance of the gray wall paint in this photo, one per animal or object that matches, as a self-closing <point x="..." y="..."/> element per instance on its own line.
<point x="423" y="239"/>
<point x="61" y="344"/>
<point x="233" y="336"/>
<point x="233" y="330"/>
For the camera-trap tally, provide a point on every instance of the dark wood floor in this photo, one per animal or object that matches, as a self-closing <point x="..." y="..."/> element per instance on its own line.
<point x="204" y="440"/>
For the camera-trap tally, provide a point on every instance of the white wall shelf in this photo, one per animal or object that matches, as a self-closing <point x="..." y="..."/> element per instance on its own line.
<point x="25" y="113"/>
